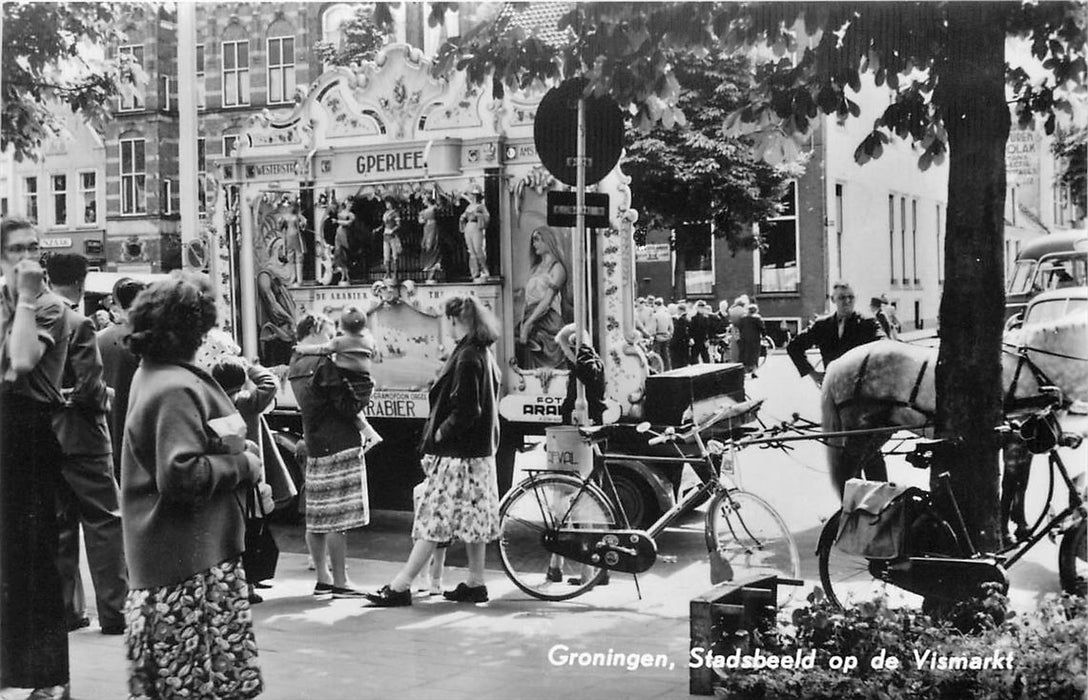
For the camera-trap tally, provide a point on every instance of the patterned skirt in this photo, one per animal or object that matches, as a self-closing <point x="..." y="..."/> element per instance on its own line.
<point x="460" y="500"/>
<point x="193" y="639"/>
<point x="336" y="492"/>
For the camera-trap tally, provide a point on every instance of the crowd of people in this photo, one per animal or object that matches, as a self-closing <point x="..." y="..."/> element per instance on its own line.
<point x="147" y="434"/>
<point x="683" y="333"/>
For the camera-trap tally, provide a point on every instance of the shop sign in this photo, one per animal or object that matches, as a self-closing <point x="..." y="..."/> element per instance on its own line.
<point x="531" y="408"/>
<point x="56" y="242"/>
<point x="652" y="252"/>
<point x="386" y="403"/>
<point x="376" y="165"/>
<point x="256" y="171"/>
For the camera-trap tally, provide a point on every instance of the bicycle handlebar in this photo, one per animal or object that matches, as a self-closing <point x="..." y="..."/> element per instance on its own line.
<point x="671" y="434"/>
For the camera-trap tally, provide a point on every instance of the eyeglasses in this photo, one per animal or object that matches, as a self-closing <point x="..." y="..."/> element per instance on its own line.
<point x="20" y="248"/>
<point x="845" y="297"/>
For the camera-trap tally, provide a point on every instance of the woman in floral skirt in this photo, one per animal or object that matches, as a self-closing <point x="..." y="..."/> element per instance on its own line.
<point x="461" y="497"/>
<point x="184" y="464"/>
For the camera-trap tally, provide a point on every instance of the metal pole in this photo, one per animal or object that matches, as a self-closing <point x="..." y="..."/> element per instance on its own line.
<point x="247" y="283"/>
<point x="187" y="122"/>
<point x="580" y="415"/>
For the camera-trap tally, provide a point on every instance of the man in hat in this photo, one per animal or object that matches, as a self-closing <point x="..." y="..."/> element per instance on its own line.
<point x="474" y="222"/>
<point x="700" y="331"/>
<point x="876" y="307"/>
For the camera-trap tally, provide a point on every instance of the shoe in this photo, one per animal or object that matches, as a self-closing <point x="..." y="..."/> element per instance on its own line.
<point x="56" y="692"/>
<point x="79" y="623"/>
<point x="388" y="598"/>
<point x="465" y="593"/>
<point x="114" y="630"/>
<point x="323" y="591"/>
<point x="261" y="584"/>
<point x="345" y="592"/>
<point x="255" y="598"/>
<point x="555" y="574"/>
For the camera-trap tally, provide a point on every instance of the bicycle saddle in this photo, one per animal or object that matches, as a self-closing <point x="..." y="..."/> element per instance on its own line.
<point x="927" y="450"/>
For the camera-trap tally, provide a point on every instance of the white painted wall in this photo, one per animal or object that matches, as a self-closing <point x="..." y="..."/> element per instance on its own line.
<point x="866" y="258"/>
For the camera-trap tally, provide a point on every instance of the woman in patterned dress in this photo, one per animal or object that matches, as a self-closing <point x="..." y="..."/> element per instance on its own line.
<point x="460" y="498"/>
<point x="184" y="465"/>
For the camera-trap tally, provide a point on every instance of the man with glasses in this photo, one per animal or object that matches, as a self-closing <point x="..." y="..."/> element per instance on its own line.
<point x="34" y="349"/>
<point x="833" y="334"/>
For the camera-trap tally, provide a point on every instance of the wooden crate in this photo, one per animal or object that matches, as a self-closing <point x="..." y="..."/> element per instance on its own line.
<point x="724" y="609"/>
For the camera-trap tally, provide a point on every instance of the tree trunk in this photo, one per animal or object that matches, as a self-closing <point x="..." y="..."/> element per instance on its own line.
<point x="969" y="365"/>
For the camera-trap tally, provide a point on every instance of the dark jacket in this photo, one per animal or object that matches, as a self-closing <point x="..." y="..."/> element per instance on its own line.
<point x="178" y="481"/>
<point x="700" y="328"/>
<point x="681" y="333"/>
<point x="118" y="367"/>
<point x="464" y="405"/>
<point x="589" y="370"/>
<point x="329" y="405"/>
<point x="824" y="334"/>
<point x="81" y="425"/>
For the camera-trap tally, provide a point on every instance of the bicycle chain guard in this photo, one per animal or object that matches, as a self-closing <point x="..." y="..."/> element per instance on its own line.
<point x="629" y="551"/>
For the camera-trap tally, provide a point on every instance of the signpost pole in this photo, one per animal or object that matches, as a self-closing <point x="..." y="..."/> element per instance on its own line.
<point x="578" y="267"/>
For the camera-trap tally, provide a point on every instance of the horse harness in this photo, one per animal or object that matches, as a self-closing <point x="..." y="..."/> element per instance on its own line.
<point x="910" y="403"/>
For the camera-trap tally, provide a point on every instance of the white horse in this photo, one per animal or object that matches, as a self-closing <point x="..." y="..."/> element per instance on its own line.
<point x="889" y="383"/>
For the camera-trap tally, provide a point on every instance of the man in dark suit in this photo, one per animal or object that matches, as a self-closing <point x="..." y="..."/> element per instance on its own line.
<point x="834" y="335"/>
<point x="88" y="493"/>
<point x="118" y="362"/>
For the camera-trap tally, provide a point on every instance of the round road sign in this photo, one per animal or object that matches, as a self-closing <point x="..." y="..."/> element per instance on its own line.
<point x="555" y="133"/>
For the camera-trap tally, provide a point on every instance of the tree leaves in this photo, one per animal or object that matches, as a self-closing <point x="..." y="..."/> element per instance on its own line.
<point x="45" y="63"/>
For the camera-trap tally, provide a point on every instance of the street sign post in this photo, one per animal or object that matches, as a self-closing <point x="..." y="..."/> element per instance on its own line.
<point x="563" y="120"/>
<point x="563" y="209"/>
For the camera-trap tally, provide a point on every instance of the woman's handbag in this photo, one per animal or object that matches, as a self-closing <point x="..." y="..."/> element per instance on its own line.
<point x="261" y="553"/>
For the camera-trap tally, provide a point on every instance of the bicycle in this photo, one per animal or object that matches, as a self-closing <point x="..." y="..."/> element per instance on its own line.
<point x="939" y="560"/>
<point x="564" y="516"/>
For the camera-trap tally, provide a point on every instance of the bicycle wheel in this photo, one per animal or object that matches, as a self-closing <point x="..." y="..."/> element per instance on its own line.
<point x="752" y="538"/>
<point x="1073" y="560"/>
<point x="540" y="505"/>
<point x="848" y="578"/>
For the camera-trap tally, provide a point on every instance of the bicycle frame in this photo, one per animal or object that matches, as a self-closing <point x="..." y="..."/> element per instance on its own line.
<point x="1076" y="506"/>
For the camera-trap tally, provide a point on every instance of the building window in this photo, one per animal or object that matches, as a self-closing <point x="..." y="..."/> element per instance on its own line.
<point x="133" y="177"/>
<point x="914" y="239"/>
<point x="891" y="236"/>
<point x="59" y="185"/>
<point x="3" y="206"/>
<point x="695" y="244"/>
<point x="840" y="211"/>
<point x="201" y="96"/>
<point x="903" y="240"/>
<point x="235" y="73"/>
<point x="134" y="98"/>
<point x="332" y="21"/>
<point x="201" y="168"/>
<point x="281" y="68"/>
<point x="166" y="93"/>
<point x="88" y="195"/>
<point x="229" y="144"/>
<point x="30" y="198"/>
<point x="167" y="196"/>
<point x="779" y="268"/>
